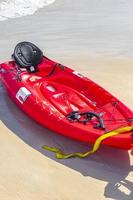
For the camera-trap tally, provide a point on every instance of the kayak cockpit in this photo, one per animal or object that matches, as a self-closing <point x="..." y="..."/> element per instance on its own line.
<point x="65" y="98"/>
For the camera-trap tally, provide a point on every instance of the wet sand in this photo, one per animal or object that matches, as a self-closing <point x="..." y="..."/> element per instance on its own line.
<point x="26" y="170"/>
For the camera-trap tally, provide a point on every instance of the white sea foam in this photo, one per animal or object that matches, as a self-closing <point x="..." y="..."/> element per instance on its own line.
<point x="18" y="8"/>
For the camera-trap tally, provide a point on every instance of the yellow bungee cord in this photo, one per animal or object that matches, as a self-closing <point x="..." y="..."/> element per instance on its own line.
<point x="60" y="155"/>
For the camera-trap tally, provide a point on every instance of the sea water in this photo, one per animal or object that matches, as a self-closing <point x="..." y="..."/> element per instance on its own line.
<point x="18" y="8"/>
<point x="84" y="27"/>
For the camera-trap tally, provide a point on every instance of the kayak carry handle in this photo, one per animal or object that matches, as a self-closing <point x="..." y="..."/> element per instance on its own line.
<point x="75" y="116"/>
<point x="94" y="114"/>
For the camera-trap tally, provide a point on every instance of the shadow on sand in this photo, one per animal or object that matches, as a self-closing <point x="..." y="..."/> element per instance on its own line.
<point x="108" y="164"/>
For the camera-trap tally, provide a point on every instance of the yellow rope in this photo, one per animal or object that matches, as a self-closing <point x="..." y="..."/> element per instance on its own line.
<point x="61" y="155"/>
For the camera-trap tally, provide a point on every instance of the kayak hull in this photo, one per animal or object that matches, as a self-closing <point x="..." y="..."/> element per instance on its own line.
<point x="49" y="98"/>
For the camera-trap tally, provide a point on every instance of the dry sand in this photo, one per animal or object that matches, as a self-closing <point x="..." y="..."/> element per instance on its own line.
<point x="28" y="172"/>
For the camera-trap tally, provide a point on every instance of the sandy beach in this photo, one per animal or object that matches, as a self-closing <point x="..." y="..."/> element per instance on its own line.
<point x="97" y="40"/>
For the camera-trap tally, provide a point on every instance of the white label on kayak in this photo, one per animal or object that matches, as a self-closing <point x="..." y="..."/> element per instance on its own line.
<point x="78" y="74"/>
<point x="22" y="94"/>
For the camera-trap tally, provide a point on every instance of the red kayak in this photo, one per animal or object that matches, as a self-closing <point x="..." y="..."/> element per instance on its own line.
<point x="62" y="99"/>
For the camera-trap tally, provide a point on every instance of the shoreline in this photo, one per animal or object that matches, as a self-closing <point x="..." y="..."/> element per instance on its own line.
<point x="95" y="39"/>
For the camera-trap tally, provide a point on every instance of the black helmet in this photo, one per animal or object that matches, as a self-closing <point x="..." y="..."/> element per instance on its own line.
<point x="27" y="55"/>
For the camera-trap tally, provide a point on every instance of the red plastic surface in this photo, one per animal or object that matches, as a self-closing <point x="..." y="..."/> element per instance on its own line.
<point x="51" y="97"/>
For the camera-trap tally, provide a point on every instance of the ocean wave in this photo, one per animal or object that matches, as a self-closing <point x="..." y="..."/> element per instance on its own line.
<point x="18" y="8"/>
